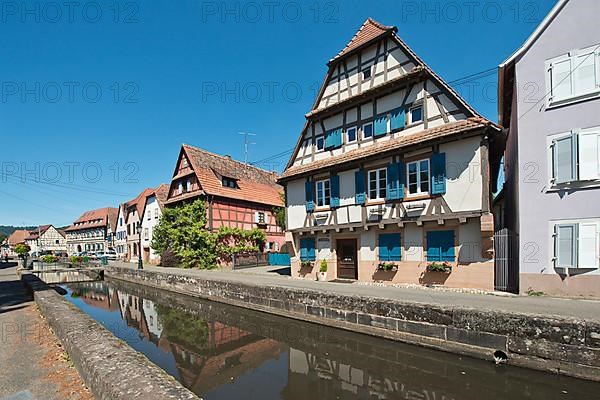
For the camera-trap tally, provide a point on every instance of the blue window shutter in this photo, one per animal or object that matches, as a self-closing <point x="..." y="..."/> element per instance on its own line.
<point x="380" y="128"/>
<point x="383" y="248"/>
<point x="398" y="118"/>
<point x="401" y="179"/>
<point x="359" y="187"/>
<point x="447" y="245"/>
<point x="438" y="173"/>
<point x="333" y="139"/>
<point x="335" y="191"/>
<point x="440" y="246"/>
<point x="393" y="182"/>
<point x="310" y="202"/>
<point x="390" y="248"/>
<point x="338" y="138"/>
<point x="307" y="249"/>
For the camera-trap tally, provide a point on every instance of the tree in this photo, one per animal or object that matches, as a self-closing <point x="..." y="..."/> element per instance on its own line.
<point x="22" y="249"/>
<point x="182" y="230"/>
<point x="182" y="235"/>
<point x="280" y="213"/>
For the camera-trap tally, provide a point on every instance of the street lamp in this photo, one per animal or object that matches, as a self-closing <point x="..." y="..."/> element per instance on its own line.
<point x="139" y="231"/>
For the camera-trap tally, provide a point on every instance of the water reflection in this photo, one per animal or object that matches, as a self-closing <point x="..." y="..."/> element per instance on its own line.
<point x="220" y="351"/>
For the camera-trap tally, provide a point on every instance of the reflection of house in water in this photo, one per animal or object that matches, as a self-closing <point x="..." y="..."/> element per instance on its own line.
<point x="316" y="376"/>
<point x="97" y="294"/>
<point x="207" y="359"/>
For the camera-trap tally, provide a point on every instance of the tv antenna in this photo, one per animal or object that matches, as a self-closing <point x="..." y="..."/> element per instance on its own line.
<point x="246" y="144"/>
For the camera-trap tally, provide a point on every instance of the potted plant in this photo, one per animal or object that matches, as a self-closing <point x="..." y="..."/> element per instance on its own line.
<point x="443" y="267"/>
<point x="22" y="251"/>
<point x="306" y="264"/>
<point x="387" y="266"/>
<point x="322" y="274"/>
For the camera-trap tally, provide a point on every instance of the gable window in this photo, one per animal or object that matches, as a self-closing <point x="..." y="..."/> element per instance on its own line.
<point x="367" y="130"/>
<point x="574" y="156"/>
<point x="320" y="142"/>
<point x="323" y="193"/>
<point x="260" y="218"/>
<point x="418" y="177"/>
<point x="229" y="183"/>
<point x="377" y="184"/>
<point x="367" y="72"/>
<point x="576" y="244"/>
<point x="188" y="186"/>
<point x="351" y="134"/>
<point x="180" y="188"/>
<point x="416" y="114"/>
<point x="573" y="75"/>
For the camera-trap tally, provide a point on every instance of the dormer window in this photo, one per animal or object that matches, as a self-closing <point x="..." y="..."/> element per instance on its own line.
<point x="229" y="183"/>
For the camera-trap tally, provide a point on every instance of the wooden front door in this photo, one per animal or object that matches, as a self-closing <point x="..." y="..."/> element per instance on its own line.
<point x="347" y="260"/>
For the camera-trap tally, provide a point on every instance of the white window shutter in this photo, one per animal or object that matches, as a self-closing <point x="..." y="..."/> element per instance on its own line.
<point x="589" y="155"/>
<point x="256" y="217"/>
<point x="588" y="246"/>
<point x="597" y="69"/>
<point x="562" y="79"/>
<point x="549" y="90"/>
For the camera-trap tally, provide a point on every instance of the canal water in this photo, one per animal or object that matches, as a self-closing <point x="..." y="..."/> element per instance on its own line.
<point x="224" y="352"/>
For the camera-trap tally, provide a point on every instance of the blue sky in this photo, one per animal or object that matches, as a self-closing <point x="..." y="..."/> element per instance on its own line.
<point x="96" y="98"/>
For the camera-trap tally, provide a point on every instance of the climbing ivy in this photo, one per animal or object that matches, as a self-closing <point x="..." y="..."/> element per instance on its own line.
<point x="182" y="232"/>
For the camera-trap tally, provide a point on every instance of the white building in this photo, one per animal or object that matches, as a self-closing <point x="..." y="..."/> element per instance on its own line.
<point x="391" y="172"/>
<point x="46" y="238"/>
<point x="151" y="216"/>
<point x="121" y="233"/>
<point x="93" y="231"/>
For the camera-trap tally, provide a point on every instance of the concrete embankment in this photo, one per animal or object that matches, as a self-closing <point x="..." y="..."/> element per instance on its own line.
<point x="110" y="368"/>
<point x="568" y="346"/>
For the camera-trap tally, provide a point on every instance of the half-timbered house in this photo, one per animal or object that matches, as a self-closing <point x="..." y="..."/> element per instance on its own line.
<point x="390" y="173"/>
<point x="237" y="195"/>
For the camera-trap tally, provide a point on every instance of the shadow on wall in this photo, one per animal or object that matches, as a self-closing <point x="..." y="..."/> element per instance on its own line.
<point x="433" y="277"/>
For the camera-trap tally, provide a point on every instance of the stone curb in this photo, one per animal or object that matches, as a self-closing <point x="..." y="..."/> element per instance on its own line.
<point x="567" y="346"/>
<point x="110" y="368"/>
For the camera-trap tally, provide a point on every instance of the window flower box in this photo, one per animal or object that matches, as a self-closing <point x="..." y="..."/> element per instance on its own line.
<point x="443" y="267"/>
<point x="387" y="266"/>
<point x="306" y="264"/>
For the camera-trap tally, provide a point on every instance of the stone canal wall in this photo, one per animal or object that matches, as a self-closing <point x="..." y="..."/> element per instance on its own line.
<point x="566" y="346"/>
<point x="110" y="368"/>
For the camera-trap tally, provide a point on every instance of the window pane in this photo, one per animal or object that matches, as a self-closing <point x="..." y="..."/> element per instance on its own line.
<point x="368" y="130"/>
<point x="561" y="80"/>
<point x="566" y="236"/>
<point x="585" y="73"/>
<point x="351" y="134"/>
<point x="416" y="114"/>
<point x="563" y="160"/>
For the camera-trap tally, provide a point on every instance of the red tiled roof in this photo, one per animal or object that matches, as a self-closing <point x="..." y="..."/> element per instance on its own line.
<point x="139" y="202"/>
<point x="39" y="231"/>
<point x="94" y="219"/>
<point x="369" y="31"/>
<point x="17" y="237"/>
<point x="445" y="130"/>
<point x="254" y="184"/>
<point x="161" y="193"/>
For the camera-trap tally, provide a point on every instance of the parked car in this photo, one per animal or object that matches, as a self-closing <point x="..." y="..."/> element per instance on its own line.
<point x="109" y="254"/>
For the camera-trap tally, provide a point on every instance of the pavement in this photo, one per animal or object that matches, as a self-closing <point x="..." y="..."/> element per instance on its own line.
<point x="272" y="276"/>
<point x="32" y="362"/>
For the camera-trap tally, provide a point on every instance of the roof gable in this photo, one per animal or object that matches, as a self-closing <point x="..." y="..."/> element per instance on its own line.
<point x="370" y="31"/>
<point x="254" y="184"/>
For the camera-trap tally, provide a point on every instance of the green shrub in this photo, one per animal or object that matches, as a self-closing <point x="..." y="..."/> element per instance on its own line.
<point x="323" y="266"/>
<point x="49" y="259"/>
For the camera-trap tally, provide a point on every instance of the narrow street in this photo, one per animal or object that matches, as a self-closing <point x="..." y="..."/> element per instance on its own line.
<point x="34" y="366"/>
